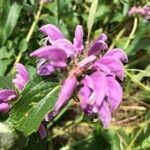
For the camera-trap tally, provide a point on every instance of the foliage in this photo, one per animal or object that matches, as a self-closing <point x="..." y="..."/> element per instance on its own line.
<point x="130" y="127"/>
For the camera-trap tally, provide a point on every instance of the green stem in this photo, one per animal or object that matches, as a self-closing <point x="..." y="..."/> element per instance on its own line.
<point x="117" y="38"/>
<point x="29" y="35"/>
<point x="131" y="36"/>
<point x="137" y="135"/>
<point x="137" y="82"/>
<point x="148" y="2"/>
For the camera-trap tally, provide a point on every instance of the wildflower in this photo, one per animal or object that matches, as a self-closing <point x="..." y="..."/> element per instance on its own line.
<point x="136" y="10"/>
<point x="6" y="95"/>
<point x="4" y="107"/>
<point x="95" y="78"/>
<point x="99" y="45"/>
<point x="143" y="11"/>
<point x="60" y="49"/>
<point x="42" y="131"/>
<point x="22" y="77"/>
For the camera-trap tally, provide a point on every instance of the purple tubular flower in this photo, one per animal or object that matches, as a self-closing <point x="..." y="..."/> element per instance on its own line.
<point x="102" y="37"/>
<point x="87" y="61"/>
<point x="84" y="94"/>
<point x="99" y="91"/>
<point x="143" y="11"/>
<point x="66" y="45"/>
<point x="93" y="93"/>
<point x="65" y="94"/>
<point x="52" y="32"/>
<point x="56" y="56"/>
<point x="4" y="107"/>
<point x="45" y="69"/>
<point x="42" y="131"/>
<point x="104" y="114"/>
<point x="7" y="95"/>
<point x="103" y="68"/>
<point x="147" y="10"/>
<point x="114" y="93"/>
<point x="78" y="39"/>
<point x="117" y="53"/>
<point x="99" y="81"/>
<point x="22" y="77"/>
<point x="93" y="96"/>
<point x="136" y="10"/>
<point x="98" y="46"/>
<point x="115" y="66"/>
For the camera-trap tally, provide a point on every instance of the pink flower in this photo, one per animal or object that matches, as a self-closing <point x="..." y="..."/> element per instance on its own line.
<point x="94" y="78"/>
<point x="60" y="50"/>
<point x="22" y="76"/>
<point x="6" y="95"/>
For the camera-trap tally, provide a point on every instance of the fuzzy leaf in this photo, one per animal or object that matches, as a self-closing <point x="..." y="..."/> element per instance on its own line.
<point x="9" y="18"/>
<point x="91" y="16"/>
<point x="5" y="82"/>
<point x="37" y="99"/>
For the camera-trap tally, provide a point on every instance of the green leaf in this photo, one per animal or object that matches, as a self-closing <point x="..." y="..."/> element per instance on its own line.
<point x="6" y="82"/>
<point x="9" y="16"/>
<point x="112" y="138"/>
<point x="91" y="16"/>
<point x="39" y="144"/>
<point x="3" y="65"/>
<point x="143" y="73"/>
<point x="37" y="99"/>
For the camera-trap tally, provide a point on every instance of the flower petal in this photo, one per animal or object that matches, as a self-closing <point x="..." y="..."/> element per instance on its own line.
<point x="44" y="52"/>
<point x="102" y="68"/>
<point x="65" y="94"/>
<point x="49" y="116"/>
<point x="99" y="81"/>
<point x="22" y="77"/>
<point x="84" y="94"/>
<point x="114" y="93"/>
<point x="87" y="61"/>
<point x="7" y="95"/>
<point x="42" y="131"/>
<point x="115" y="66"/>
<point x="136" y="10"/>
<point x="56" y="56"/>
<point x="104" y="114"/>
<point x="45" y="69"/>
<point x="52" y="32"/>
<point x="117" y="53"/>
<point x="78" y="39"/>
<point x="97" y="47"/>
<point x="102" y="37"/>
<point x="66" y="45"/>
<point x="4" y="107"/>
<point x="88" y="81"/>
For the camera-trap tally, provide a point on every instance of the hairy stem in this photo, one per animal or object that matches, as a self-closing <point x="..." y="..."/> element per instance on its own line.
<point x="137" y="135"/>
<point x="117" y="38"/>
<point x="136" y="81"/>
<point x="29" y="35"/>
<point x="131" y="36"/>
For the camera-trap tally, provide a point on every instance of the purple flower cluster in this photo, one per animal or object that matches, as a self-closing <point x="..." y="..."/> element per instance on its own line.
<point x="94" y="78"/>
<point x="55" y="55"/>
<point x="6" y="95"/>
<point x="143" y="11"/>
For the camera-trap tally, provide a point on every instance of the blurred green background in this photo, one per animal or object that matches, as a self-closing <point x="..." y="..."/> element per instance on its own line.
<point x="71" y="130"/>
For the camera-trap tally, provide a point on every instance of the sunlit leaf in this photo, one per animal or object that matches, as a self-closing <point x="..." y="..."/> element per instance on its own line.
<point x="37" y="99"/>
<point x="91" y="16"/>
